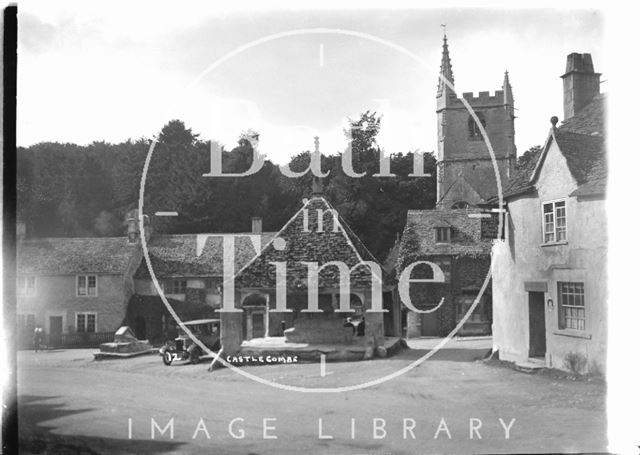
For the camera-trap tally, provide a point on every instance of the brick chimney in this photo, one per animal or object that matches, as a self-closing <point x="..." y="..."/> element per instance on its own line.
<point x="256" y="225"/>
<point x="580" y="83"/>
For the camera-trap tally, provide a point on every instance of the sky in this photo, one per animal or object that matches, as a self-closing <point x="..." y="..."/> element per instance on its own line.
<point x="114" y="70"/>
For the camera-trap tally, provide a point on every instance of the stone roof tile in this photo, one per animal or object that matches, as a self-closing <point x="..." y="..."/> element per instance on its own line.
<point x="311" y="245"/>
<point x="69" y="256"/>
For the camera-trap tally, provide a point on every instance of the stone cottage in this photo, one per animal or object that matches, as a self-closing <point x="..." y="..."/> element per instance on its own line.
<point x="189" y="269"/>
<point x="459" y="242"/>
<point x="76" y="289"/>
<point x="549" y="273"/>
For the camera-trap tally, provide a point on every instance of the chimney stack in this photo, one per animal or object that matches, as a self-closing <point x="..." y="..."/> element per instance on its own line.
<point x="581" y="83"/>
<point x="133" y="231"/>
<point x="256" y="225"/>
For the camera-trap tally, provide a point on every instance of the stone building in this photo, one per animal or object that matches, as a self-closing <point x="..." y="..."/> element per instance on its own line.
<point x="549" y="273"/>
<point x="466" y="176"/>
<point x="459" y="242"/>
<point x="189" y="269"/>
<point x="315" y="234"/>
<point x="457" y="234"/>
<point x="76" y="289"/>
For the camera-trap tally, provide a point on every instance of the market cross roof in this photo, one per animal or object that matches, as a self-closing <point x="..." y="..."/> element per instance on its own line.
<point x="335" y="241"/>
<point x="69" y="256"/>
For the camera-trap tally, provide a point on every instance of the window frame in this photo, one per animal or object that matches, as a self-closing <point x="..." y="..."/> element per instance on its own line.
<point x="554" y="212"/>
<point x="86" y="286"/>
<point x="85" y="324"/>
<point x="473" y="130"/>
<point x="481" y="313"/>
<point x="169" y="286"/>
<point x="211" y="286"/>
<point x="447" y="238"/>
<point x="562" y="318"/>
<point x="23" y="290"/>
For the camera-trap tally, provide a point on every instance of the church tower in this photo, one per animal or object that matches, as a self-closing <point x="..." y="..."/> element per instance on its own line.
<point x="466" y="175"/>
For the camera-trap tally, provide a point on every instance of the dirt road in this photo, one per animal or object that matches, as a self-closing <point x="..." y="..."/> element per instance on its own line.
<point x="452" y="403"/>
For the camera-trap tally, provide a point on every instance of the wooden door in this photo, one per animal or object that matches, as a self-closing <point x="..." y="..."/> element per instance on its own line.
<point x="257" y="325"/>
<point x="55" y="331"/>
<point x="537" y="329"/>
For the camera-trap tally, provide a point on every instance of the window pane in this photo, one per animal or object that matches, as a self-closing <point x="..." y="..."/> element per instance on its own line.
<point x="571" y="300"/>
<point x="82" y="285"/>
<point x="91" y="323"/>
<point x="561" y="222"/>
<point x="80" y="323"/>
<point x="548" y="208"/>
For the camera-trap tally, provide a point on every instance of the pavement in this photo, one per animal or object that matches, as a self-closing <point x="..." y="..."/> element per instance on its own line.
<point x="451" y="403"/>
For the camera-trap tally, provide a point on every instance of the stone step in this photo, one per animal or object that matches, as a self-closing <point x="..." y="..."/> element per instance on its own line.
<point x="529" y="367"/>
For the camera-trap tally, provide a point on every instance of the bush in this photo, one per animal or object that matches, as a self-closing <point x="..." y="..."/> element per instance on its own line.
<point x="575" y="362"/>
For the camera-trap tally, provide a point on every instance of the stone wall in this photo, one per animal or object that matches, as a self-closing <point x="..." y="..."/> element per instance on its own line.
<point x="467" y="275"/>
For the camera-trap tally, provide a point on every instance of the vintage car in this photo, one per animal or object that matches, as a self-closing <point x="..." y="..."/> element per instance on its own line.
<point x="207" y="331"/>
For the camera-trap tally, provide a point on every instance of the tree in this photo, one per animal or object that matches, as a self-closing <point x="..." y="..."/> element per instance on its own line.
<point x="525" y="160"/>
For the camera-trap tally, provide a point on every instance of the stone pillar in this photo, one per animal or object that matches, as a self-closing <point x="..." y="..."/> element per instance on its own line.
<point x="397" y="314"/>
<point x="414" y="324"/>
<point x="374" y="328"/>
<point x="231" y="332"/>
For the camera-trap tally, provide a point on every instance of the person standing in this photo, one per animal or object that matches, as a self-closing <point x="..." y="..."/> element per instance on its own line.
<point x="38" y="339"/>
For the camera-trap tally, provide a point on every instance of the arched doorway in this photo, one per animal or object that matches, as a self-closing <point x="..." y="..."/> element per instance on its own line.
<point x="255" y="321"/>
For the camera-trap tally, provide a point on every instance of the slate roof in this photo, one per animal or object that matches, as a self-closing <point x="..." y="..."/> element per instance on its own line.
<point x="581" y="140"/>
<point x="585" y="154"/>
<point x="313" y="246"/>
<point x="175" y="255"/>
<point x="469" y="233"/>
<point x="70" y="256"/>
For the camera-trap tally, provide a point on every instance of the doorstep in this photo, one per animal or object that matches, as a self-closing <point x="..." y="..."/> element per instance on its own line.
<point x="531" y="365"/>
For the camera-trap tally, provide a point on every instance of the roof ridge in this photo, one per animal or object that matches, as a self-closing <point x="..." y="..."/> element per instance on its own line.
<point x="346" y="227"/>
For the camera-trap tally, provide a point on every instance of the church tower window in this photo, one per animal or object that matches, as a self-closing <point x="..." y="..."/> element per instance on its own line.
<point x="474" y="128"/>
